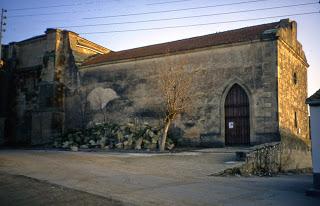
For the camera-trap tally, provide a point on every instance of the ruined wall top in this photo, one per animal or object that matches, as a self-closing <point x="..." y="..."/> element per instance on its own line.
<point x="30" y="52"/>
<point x="287" y="33"/>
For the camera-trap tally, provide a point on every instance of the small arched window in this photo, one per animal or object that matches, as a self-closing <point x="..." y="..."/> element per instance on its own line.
<point x="295" y="78"/>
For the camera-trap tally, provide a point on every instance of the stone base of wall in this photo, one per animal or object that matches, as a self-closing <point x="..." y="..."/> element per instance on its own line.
<point x="262" y="138"/>
<point x="200" y="142"/>
<point x="45" y="126"/>
<point x="2" y="125"/>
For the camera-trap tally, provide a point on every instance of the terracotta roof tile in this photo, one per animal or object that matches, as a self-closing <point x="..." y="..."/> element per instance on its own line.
<point x="232" y="36"/>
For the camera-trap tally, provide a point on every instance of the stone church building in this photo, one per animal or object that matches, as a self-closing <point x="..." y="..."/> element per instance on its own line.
<point x="250" y="88"/>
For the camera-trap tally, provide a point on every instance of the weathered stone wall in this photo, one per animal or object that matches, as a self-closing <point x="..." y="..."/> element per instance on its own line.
<point x="2" y="125"/>
<point x="76" y="50"/>
<point x="82" y="48"/>
<point x="4" y="93"/>
<point x="30" y="52"/>
<point x="251" y="64"/>
<point x="292" y="83"/>
<point x="47" y="84"/>
<point x="45" y="126"/>
<point x="291" y="154"/>
<point x="44" y="69"/>
<point x="33" y="70"/>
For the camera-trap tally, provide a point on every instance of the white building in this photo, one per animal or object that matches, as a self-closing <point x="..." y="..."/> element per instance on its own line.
<point x="314" y="103"/>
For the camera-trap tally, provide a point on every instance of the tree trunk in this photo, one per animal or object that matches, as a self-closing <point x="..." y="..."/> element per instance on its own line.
<point x="164" y="136"/>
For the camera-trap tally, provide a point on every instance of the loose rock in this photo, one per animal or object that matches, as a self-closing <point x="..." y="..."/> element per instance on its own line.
<point x="74" y="148"/>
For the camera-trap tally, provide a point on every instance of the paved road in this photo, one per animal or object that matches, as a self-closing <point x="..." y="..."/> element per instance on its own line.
<point x="166" y="179"/>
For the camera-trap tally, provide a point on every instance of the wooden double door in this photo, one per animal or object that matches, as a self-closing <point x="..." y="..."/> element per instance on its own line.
<point x="237" y="117"/>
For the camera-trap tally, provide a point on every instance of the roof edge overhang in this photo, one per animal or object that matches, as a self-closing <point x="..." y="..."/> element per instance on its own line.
<point x="313" y="102"/>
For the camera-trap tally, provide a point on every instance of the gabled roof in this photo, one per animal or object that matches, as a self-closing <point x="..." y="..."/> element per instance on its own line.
<point x="233" y="36"/>
<point x="314" y="100"/>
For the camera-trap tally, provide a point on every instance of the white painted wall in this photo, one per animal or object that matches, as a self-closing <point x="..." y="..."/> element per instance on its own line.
<point x="315" y="137"/>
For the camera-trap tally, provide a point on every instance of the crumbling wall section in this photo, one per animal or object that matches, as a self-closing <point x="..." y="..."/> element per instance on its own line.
<point x="43" y="69"/>
<point x="291" y="154"/>
<point x="76" y="103"/>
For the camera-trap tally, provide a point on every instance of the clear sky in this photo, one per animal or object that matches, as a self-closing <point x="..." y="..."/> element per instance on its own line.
<point x="27" y="18"/>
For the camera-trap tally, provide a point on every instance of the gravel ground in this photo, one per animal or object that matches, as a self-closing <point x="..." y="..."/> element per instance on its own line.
<point x="152" y="179"/>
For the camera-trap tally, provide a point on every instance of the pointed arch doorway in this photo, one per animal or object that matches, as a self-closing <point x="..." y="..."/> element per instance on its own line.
<point x="237" y="117"/>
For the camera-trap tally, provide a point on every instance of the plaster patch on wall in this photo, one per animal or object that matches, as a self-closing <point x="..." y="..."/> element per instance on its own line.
<point x="100" y="97"/>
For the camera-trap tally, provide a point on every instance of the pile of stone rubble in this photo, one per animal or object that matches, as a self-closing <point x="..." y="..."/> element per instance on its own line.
<point x="112" y="136"/>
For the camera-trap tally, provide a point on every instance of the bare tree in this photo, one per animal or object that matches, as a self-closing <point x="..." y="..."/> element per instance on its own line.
<point x="175" y="84"/>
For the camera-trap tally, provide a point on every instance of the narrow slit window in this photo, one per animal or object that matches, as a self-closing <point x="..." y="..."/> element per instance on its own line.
<point x="295" y="120"/>
<point x="295" y="78"/>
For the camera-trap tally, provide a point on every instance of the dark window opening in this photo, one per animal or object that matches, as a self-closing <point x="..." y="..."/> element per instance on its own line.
<point x="295" y="78"/>
<point x="295" y="120"/>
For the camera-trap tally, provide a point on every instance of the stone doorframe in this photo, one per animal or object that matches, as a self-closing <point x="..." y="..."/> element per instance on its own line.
<point x="227" y="86"/>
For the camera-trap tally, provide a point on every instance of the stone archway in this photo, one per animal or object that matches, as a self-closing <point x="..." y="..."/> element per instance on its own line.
<point x="237" y="116"/>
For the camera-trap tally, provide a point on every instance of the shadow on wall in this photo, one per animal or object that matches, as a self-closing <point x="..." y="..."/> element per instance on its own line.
<point x="86" y="106"/>
<point x="8" y="117"/>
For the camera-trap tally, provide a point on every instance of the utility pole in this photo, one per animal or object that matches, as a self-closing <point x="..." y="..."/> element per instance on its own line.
<point x="2" y="30"/>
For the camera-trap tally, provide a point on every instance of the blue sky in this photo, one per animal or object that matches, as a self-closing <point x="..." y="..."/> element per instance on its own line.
<point x="64" y="13"/>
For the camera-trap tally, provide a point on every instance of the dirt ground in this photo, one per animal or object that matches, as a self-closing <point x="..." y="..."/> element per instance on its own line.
<point x="20" y="190"/>
<point x="156" y="179"/>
